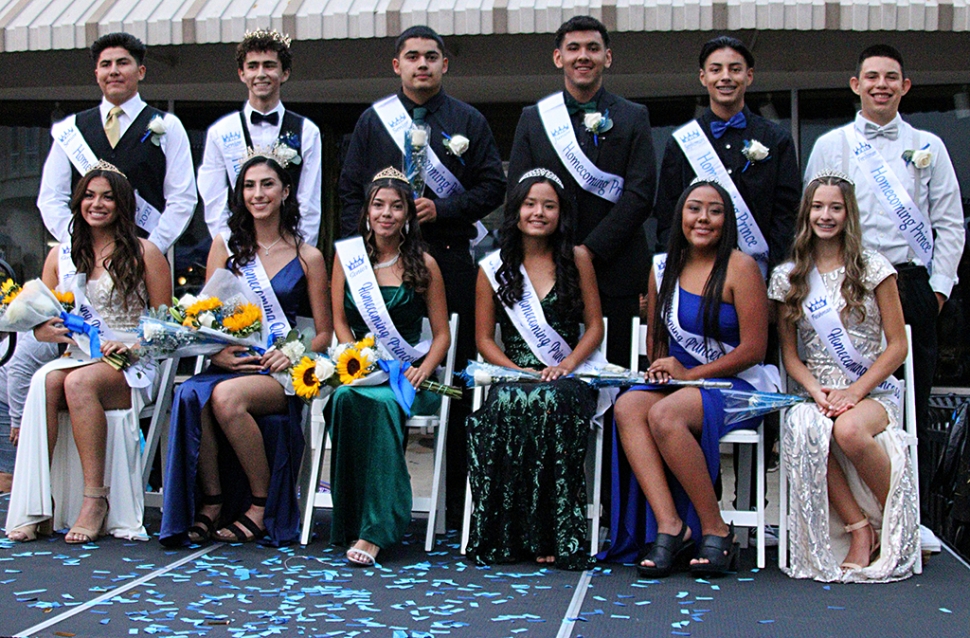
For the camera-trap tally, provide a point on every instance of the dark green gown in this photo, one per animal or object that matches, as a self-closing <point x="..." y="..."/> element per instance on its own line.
<point x="368" y="474"/>
<point x="527" y="459"/>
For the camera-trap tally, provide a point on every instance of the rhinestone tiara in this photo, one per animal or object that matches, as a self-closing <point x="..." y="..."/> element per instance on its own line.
<point x="542" y="172"/>
<point x="272" y="34"/>
<point x="106" y="166"/>
<point x="705" y="180"/>
<point x="391" y="173"/>
<point x="834" y="174"/>
<point x="279" y="153"/>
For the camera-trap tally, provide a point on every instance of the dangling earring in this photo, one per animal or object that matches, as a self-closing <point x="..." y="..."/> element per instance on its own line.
<point x="407" y="227"/>
<point x="367" y="223"/>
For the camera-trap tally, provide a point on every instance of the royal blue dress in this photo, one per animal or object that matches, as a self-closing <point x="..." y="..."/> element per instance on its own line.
<point x="282" y="438"/>
<point x="632" y="523"/>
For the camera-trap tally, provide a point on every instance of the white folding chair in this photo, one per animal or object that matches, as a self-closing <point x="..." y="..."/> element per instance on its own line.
<point x="158" y="413"/>
<point x="433" y="505"/>
<point x="739" y="518"/>
<point x="909" y="438"/>
<point x="594" y="503"/>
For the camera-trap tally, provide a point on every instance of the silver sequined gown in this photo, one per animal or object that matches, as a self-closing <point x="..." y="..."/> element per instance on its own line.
<point x="817" y="541"/>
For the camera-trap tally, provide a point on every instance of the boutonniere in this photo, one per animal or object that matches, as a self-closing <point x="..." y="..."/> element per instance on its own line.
<point x="754" y="151"/>
<point x="920" y="159"/>
<point x="597" y="124"/>
<point x="456" y="145"/>
<point x="156" y="129"/>
<point x="291" y="139"/>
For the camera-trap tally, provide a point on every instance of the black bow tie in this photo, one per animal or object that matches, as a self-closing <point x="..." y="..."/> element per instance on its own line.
<point x="258" y="118"/>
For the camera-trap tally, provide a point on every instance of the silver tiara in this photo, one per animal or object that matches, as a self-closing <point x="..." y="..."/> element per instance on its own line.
<point x="834" y="174"/>
<point x="704" y="180"/>
<point x="542" y="172"/>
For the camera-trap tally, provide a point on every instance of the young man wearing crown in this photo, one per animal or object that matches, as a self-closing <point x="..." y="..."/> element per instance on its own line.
<point x="149" y="146"/>
<point x="263" y="125"/>
<point x="751" y="156"/>
<point x="601" y="145"/>
<point x="464" y="181"/>
<point x="909" y="204"/>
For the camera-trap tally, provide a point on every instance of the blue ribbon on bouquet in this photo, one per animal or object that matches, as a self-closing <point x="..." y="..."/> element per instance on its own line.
<point x="77" y="325"/>
<point x="404" y="392"/>
<point x="270" y="340"/>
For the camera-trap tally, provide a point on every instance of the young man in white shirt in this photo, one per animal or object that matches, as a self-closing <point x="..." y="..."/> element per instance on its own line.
<point x="265" y="62"/>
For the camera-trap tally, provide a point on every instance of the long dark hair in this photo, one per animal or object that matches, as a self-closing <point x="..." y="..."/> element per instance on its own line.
<point x="126" y="265"/>
<point x="416" y="275"/>
<point x="569" y="301"/>
<point x="678" y="252"/>
<point x="242" y="228"/>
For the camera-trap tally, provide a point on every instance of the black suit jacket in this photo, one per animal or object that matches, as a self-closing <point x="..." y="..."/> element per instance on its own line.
<point x="613" y="232"/>
<point x="772" y="187"/>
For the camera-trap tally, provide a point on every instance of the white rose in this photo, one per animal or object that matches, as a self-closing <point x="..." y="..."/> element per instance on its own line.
<point x="592" y="120"/>
<point x="482" y="378"/>
<point x="458" y="144"/>
<point x="419" y="137"/>
<point x="338" y="350"/>
<point x="756" y="151"/>
<point x="157" y="126"/>
<point x="148" y="332"/>
<point x="324" y="369"/>
<point x="285" y="153"/>
<point x="207" y="319"/>
<point x="293" y="350"/>
<point x="369" y="354"/>
<point x="187" y="300"/>
<point x="922" y="159"/>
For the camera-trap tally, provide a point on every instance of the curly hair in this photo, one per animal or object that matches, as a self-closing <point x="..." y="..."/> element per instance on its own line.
<point x="678" y="253"/>
<point x="126" y="264"/>
<point x="416" y="275"/>
<point x="265" y="43"/>
<point x="569" y="301"/>
<point x="242" y="229"/>
<point x="803" y="254"/>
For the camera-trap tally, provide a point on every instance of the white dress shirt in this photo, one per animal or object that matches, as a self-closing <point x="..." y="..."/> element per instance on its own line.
<point x="214" y="179"/>
<point x="179" y="186"/>
<point x="937" y="196"/>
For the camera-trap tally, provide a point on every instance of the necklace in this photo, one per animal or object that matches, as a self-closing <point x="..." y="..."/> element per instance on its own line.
<point x="390" y="262"/>
<point x="267" y="248"/>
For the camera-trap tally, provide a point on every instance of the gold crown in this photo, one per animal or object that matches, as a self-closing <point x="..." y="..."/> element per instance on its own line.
<point x="106" y="166"/>
<point x="391" y="173"/>
<point x="279" y="153"/>
<point x="834" y="174"/>
<point x="272" y="34"/>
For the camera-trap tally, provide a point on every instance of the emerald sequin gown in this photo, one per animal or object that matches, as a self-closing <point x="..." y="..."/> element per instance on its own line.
<point x="369" y="477"/>
<point x="526" y="463"/>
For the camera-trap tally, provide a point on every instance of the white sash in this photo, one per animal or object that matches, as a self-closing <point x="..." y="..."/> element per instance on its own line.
<point x="232" y="142"/>
<point x="826" y="321"/>
<point x="892" y="195"/>
<point x="254" y="276"/>
<point x="367" y="296"/>
<point x="67" y="135"/>
<point x="396" y="120"/>
<point x="559" y="130"/>
<point x="764" y="377"/>
<point x="67" y="276"/>
<point x="707" y="165"/>
<point x="529" y="319"/>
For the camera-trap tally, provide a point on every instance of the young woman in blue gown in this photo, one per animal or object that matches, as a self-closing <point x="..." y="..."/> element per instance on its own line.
<point x="236" y="442"/>
<point x="670" y="437"/>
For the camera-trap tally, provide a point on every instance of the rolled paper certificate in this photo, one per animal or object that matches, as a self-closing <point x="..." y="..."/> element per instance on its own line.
<point x="419" y="137"/>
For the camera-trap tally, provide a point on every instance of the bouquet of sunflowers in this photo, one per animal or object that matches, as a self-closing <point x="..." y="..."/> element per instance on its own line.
<point x="27" y="306"/>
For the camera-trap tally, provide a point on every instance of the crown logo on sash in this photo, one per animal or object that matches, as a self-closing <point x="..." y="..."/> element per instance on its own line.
<point x="814" y="305"/>
<point x="356" y="263"/>
<point x="861" y="148"/>
<point x="562" y="130"/>
<point x="691" y="136"/>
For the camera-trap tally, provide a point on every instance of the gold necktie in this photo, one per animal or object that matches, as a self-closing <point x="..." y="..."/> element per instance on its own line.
<point x="112" y="125"/>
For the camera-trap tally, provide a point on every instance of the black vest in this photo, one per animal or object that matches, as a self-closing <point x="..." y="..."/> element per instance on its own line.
<point x="291" y="134"/>
<point x="135" y="155"/>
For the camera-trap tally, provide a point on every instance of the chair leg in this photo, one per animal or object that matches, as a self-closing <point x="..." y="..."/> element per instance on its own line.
<point x="742" y="496"/>
<point x="466" y="519"/>
<point x="782" y="504"/>
<point x="597" y="489"/>
<point x="437" y="482"/>
<point x="760" y="495"/>
<point x="309" y="488"/>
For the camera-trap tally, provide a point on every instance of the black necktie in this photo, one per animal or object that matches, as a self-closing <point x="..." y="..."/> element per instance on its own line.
<point x="258" y="118"/>
<point x="419" y="114"/>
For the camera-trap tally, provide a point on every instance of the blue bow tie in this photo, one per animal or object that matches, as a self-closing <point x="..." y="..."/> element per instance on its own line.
<point x="737" y="121"/>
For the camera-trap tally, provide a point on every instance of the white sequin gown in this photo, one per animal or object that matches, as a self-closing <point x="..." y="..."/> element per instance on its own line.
<point x="817" y="541"/>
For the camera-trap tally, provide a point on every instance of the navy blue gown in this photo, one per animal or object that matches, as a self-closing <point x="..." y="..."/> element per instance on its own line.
<point x="282" y="438"/>
<point x="632" y="523"/>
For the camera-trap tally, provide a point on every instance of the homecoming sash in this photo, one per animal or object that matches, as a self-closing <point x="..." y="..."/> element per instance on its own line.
<point x="254" y="276"/>
<point x="892" y="196"/>
<point x="707" y="165"/>
<point x="232" y="142"/>
<point x="528" y="318"/>
<point x="396" y="120"/>
<point x="764" y="378"/>
<point x="828" y="325"/>
<point x="367" y="296"/>
<point x="559" y="130"/>
<point x="67" y="135"/>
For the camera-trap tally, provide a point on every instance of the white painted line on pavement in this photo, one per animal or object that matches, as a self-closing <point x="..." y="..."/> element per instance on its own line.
<point x="575" y="605"/>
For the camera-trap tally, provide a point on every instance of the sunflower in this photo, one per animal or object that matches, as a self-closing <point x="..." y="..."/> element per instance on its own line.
<point x="65" y="298"/>
<point x="11" y="296"/>
<point x="7" y="286"/>
<point x="245" y="320"/>
<point x="352" y="366"/>
<point x="305" y="382"/>
<point x="366" y="342"/>
<point x="202" y="305"/>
